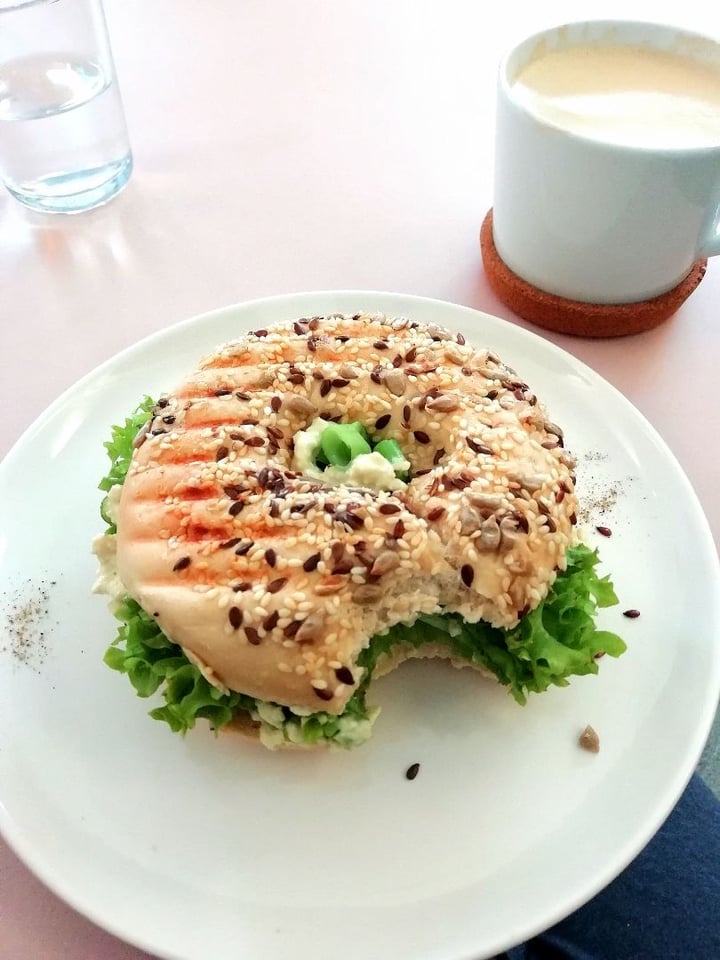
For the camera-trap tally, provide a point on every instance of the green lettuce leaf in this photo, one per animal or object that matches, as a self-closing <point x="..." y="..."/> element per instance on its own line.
<point x="120" y="450"/>
<point x="557" y="640"/>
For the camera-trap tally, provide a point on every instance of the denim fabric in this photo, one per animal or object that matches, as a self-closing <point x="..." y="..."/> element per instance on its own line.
<point x="664" y="906"/>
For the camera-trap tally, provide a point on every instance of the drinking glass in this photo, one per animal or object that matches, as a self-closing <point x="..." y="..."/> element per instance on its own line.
<point x="63" y="138"/>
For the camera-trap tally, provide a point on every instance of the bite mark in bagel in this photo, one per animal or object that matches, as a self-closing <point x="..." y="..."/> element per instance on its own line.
<point x="274" y="576"/>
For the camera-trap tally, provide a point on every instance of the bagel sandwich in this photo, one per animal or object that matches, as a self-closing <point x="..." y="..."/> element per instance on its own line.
<point x="320" y="500"/>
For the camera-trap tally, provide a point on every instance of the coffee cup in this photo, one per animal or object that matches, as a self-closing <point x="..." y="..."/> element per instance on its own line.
<point x="607" y="166"/>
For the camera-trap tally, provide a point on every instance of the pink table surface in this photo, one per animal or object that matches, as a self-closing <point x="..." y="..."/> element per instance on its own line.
<point x="282" y="147"/>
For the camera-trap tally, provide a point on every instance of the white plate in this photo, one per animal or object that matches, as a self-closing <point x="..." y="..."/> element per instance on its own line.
<point x="202" y="848"/>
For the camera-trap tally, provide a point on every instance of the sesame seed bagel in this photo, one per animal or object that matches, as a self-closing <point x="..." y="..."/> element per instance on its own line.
<point x="273" y="582"/>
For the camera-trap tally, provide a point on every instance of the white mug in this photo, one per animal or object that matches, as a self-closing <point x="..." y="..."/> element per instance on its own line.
<point x="593" y="220"/>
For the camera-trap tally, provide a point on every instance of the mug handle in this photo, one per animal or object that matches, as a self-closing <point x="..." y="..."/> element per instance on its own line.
<point x="709" y="245"/>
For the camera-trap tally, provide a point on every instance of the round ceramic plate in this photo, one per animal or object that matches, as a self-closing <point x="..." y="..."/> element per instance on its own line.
<point x="213" y="847"/>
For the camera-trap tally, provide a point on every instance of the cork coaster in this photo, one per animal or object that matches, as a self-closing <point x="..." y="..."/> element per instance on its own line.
<point x="574" y="316"/>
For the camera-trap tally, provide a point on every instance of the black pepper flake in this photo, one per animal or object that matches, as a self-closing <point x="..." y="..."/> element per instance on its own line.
<point x="412" y="771"/>
<point x="25" y="624"/>
<point x="182" y="564"/>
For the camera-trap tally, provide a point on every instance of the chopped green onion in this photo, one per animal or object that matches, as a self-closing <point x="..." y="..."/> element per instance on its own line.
<point x="361" y="430"/>
<point x="342" y="442"/>
<point x="391" y="450"/>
